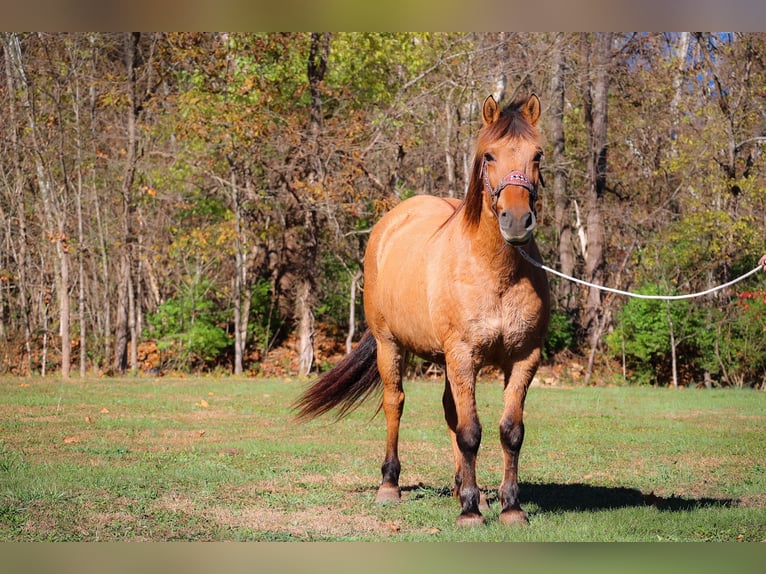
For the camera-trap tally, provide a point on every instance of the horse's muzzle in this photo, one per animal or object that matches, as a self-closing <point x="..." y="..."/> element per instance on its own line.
<point x="517" y="228"/>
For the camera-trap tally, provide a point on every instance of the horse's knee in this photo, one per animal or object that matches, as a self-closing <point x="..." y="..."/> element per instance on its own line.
<point x="469" y="437"/>
<point x="511" y="434"/>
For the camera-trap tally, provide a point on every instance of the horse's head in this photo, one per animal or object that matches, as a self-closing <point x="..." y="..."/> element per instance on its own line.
<point x="507" y="165"/>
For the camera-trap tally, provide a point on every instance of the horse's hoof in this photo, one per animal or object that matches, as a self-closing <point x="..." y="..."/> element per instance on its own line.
<point x="514" y="517"/>
<point x="470" y="520"/>
<point x="387" y="494"/>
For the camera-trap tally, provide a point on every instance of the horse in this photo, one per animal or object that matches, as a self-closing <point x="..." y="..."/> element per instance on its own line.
<point x="443" y="280"/>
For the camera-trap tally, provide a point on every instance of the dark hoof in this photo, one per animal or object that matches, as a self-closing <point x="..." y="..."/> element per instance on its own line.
<point x="387" y="494"/>
<point x="514" y="517"/>
<point x="470" y="520"/>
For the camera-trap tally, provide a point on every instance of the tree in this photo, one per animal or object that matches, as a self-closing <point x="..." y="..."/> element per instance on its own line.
<point x="596" y="99"/>
<point x="561" y="199"/>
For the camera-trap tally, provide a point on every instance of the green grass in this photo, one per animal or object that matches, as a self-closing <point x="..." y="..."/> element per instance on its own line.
<point x="221" y="459"/>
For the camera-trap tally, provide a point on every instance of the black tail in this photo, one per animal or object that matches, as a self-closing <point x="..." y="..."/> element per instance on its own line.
<point x="346" y="386"/>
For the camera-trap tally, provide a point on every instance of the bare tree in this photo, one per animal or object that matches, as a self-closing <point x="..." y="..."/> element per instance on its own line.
<point x="562" y="203"/>
<point x="598" y="55"/>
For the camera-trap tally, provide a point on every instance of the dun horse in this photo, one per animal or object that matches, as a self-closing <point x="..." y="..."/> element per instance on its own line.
<point x="443" y="280"/>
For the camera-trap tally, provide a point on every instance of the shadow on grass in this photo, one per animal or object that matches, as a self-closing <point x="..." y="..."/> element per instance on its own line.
<point x="583" y="497"/>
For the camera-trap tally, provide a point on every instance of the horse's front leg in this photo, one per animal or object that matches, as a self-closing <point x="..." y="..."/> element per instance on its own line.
<point x="460" y="412"/>
<point x="390" y="363"/>
<point x="450" y="416"/>
<point x="512" y="436"/>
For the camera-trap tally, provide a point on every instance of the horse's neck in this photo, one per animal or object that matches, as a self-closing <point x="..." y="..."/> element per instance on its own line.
<point x="504" y="260"/>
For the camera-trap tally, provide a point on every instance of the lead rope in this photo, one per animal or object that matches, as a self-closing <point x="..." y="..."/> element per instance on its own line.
<point x="637" y="295"/>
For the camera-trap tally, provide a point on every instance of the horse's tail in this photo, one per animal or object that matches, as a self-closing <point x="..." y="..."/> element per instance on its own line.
<point x="346" y="386"/>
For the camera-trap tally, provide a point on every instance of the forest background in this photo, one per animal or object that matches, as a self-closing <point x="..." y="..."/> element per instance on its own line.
<point x="195" y="202"/>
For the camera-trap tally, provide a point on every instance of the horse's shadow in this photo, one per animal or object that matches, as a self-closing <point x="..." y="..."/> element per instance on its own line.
<point x="550" y="497"/>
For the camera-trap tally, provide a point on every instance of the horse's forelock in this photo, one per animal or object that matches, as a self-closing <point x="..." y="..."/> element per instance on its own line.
<point x="511" y="123"/>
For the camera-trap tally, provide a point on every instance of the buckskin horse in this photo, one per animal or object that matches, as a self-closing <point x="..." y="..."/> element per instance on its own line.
<point x="443" y="280"/>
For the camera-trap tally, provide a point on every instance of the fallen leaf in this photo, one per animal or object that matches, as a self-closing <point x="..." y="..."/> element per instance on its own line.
<point x="24" y="385"/>
<point x="71" y="440"/>
<point x="393" y="527"/>
<point x="202" y="433"/>
<point x="104" y="411"/>
<point x="88" y="420"/>
<point x="203" y="403"/>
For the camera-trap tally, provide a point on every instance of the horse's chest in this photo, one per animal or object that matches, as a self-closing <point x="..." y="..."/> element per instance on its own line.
<point x="508" y="322"/>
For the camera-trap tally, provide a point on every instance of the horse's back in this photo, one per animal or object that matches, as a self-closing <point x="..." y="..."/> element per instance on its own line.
<point x="396" y="269"/>
<point x="400" y="237"/>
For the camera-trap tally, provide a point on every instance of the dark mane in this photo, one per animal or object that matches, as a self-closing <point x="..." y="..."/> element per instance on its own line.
<point x="511" y="123"/>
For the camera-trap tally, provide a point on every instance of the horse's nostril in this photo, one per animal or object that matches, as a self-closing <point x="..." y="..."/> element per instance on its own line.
<point x="529" y="220"/>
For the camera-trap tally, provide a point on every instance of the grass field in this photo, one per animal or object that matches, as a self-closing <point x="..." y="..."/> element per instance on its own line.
<point x="134" y="459"/>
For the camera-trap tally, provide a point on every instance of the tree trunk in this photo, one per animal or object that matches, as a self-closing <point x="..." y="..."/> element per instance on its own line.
<point x="80" y="168"/>
<point x="597" y="89"/>
<point x="20" y="252"/>
<point x="673" y="358"/>
<point x="562" y="204"/>
<point x="305" y="327"/>
<point x="317" y="66"/>
<point x="125" y="316"/>
<point x="357" y="275"/>
<point x="240" y="314"/>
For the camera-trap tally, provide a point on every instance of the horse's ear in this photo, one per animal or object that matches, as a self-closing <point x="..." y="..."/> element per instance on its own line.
<point x="531" y="109"/>
<point x="490" y="112"/>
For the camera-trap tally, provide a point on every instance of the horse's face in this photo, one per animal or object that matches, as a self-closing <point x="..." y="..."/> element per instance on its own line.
<point x="511" y="173"/>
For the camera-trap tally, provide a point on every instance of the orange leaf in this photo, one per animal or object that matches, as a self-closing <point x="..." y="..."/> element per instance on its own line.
<point x="71" y="440"/>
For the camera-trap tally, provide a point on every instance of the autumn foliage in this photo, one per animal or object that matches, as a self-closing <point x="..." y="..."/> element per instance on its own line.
<point x="201" y="201"/>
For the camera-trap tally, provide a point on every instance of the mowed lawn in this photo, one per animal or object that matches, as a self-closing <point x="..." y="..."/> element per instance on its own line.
<point x="134" y="459"/>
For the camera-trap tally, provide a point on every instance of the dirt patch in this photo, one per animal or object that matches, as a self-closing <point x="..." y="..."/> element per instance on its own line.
<point x="254" y="515"/>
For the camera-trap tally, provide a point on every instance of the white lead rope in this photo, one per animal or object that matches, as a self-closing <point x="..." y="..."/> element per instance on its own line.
<point x="637" y="295"/>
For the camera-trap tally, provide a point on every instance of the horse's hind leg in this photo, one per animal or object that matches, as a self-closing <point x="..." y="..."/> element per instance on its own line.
<point x="390" y="363"/>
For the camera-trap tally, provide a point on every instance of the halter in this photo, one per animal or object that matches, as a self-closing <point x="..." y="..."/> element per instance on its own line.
<point x="514" y="178"/>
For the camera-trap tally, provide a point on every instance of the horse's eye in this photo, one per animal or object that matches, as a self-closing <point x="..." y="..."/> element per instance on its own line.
<point x="489" y="157"/>
<point x="538" y="157"/>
